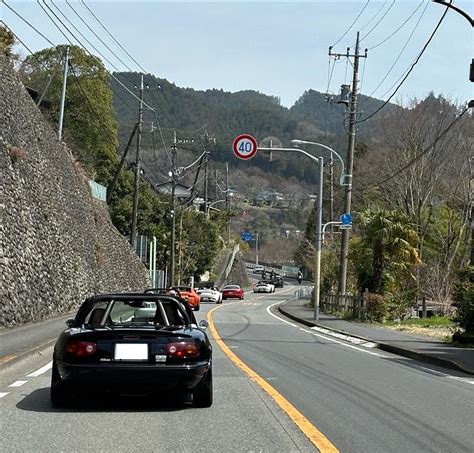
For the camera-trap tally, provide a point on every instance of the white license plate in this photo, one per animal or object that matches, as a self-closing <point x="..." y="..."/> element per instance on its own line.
<point x="125" y="351"/>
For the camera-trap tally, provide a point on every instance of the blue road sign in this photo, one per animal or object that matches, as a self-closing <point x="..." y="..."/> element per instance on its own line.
<point x="346" y="219"/>
<point x="246" y="236"/>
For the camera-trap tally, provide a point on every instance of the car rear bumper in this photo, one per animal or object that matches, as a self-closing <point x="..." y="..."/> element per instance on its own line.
<point x="136" y="375"/>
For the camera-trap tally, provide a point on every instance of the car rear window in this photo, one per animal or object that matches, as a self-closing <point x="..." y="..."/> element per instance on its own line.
<point x="123" y="313"/>
<point x="232" y="287"/>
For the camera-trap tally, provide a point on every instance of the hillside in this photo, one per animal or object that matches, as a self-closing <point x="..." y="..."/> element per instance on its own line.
<point x="226" y="114"/>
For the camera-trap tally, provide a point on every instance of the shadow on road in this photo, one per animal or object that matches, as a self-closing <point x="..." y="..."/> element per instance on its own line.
<point x="39" y="401"/>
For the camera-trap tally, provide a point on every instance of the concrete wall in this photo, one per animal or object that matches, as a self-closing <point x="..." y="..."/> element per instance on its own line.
<point x="58" y="245"/>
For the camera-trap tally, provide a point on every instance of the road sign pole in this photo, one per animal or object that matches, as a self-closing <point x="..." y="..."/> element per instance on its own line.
<point x="256" y="249"/>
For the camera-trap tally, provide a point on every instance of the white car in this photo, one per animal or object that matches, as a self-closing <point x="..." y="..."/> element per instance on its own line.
<point x="258" y="269"/>
<point x="210" y="294"/>
<point x="264" y="287"/>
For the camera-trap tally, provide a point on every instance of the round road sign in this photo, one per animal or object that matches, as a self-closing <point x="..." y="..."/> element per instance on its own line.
<point x="346" y="219"/>
<point x="244" y="146"/>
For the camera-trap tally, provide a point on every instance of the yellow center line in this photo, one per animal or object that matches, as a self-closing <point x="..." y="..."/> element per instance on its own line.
<point x="321" y="442"/>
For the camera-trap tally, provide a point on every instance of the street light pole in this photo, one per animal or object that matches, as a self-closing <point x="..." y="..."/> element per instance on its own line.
<point x="319" y="216"/>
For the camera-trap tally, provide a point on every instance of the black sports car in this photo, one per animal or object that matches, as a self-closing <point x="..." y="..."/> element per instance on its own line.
<point x="133" y="343"/>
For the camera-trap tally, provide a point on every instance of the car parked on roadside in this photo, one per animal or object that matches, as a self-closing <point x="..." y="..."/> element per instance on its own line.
<point x="210" y="294"/>
<point x="264" y="286"/>
<point x="133" y="343"/>
<point x="232" y="292"/>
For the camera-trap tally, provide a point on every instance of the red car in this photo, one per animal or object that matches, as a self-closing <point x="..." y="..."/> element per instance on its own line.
<point x="232" y="292"/>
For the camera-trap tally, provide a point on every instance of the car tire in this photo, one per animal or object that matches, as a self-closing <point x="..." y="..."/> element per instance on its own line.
<point x="202" y="394"/>
<point x="60" y="395"/>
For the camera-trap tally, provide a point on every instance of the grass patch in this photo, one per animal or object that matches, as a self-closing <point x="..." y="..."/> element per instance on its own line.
<point x="434" y="321"/>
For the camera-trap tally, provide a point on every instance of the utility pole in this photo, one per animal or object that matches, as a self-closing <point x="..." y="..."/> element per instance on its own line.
<point x="227" y="200"/>
<point x="174" y="149"/>
<point x="63" y="94"/>
<point x="133" y="233"/>
<point x="350" y="160"/>
<point x="206" y="183"/>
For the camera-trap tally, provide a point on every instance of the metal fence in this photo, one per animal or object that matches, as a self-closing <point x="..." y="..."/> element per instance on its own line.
<point x="355" y="305"/>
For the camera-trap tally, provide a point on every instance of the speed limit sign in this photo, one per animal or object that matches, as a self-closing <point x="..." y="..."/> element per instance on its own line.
<point x="244" y="146"/>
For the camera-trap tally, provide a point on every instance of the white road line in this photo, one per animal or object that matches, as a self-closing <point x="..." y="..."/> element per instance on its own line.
<point x="279" y="319"/>
<point x="318" y="335"/>
<point x="341" y="336"/>
<point x="439" y="373"/>
<point x="2" y="394"/>
<point x="41" y="371"/>
<point x="17" y="383"/>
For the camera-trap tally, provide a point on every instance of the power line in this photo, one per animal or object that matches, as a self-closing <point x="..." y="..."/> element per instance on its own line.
<point x="400" y="27"/>
<point x="422" y="153"/>
<point x="97" y="36"/>
<point x="110" y="34"/>
<point x="374" y="16"/>
<point x="417" y="59"/>
<point x="27" y="48"/>
<point x="26" y="22"/>
<point x="378" y="22"/>
<point x="87" y="50"/>
<point x="399" y="56"/>
<point x="78" y="31"/>
<point x="112" y="135"/>
<point x="355" y="20"/>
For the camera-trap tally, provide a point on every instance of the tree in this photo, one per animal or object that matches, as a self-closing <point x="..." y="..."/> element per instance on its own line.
<point x="7" y="41"/>
<point x="392" y="239"/>
<point x="90" y="127"/>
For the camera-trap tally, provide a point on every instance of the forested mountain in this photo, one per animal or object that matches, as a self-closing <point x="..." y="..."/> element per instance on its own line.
<point x="226" y="114"/>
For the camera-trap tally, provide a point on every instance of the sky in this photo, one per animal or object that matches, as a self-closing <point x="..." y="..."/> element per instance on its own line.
<point x="277" y="48"/>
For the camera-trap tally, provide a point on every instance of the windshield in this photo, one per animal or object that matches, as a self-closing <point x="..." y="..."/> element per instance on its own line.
<point x="232" y="287"/>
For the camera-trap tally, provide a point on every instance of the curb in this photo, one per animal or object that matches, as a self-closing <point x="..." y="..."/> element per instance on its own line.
<point x="433" y="360"/>
<point x="25" y="356"/>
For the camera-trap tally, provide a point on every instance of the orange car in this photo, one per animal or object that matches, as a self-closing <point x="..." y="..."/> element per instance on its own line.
<point x="189" y="293"/>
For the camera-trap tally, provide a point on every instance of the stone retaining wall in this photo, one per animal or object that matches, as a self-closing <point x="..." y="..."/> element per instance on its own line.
<point x="58" y="244"/>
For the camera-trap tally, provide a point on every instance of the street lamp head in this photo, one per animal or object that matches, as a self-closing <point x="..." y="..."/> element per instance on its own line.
<point x="297" y="142"/>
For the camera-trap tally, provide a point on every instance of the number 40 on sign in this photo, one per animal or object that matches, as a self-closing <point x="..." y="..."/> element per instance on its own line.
<point x="244" y="146"/>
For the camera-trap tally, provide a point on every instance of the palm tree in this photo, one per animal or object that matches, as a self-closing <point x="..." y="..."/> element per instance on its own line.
<point x="392" y="238"/>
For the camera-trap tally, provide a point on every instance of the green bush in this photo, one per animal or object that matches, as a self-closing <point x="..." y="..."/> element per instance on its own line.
<point x="376" y="307"/>
<point x="464" y="300"/>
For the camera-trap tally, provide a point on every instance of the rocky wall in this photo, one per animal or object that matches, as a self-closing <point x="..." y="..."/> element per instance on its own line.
<point x="58" y="245"/>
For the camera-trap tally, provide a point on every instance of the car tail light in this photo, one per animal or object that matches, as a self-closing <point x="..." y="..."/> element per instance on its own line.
<point x="182" y="350"/>
<point x="81" y="348"/>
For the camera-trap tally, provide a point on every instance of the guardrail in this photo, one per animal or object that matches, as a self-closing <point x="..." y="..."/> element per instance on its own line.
<point x="304" y="292"/>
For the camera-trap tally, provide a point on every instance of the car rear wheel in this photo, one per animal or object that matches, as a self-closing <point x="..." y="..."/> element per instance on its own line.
<point x="59" y="394"/>
<point x="202" y="395"/>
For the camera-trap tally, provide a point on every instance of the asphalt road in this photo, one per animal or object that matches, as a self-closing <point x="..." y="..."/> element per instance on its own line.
<point x="363" y="400"/>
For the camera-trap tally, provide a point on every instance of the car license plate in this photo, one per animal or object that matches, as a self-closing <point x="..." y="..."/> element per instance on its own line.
<point x="126" y="351"/>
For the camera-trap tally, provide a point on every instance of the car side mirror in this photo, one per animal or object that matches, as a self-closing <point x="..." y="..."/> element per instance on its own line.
<point x="203" y="324"/>
<point x="71" y="323"/>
